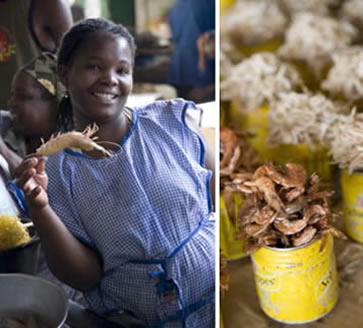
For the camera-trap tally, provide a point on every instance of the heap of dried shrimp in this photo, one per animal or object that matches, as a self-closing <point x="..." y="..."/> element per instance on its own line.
<point x="284" y="207"/>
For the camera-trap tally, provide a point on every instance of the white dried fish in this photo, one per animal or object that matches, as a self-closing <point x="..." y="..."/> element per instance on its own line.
<point x="258" y="80"/>
<point x="345" y="78"/>
<point x="314" y="38"/>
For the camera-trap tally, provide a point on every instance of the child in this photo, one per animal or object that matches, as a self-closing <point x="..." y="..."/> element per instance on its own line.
<point x="134" y="231"/>
<point x="35" y="95"/>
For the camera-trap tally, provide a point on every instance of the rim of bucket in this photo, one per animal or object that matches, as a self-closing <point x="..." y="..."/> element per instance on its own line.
<point x="34" y="239"/>
<point x="43" y="281"/>
<point x="293" y="248"/>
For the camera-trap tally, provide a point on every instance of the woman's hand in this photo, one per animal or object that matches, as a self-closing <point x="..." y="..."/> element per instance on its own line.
<point x="31" y="178"/>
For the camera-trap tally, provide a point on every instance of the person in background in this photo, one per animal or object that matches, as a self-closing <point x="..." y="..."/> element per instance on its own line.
<point x="36" y="93"/>
<point x="135" y="231"/>
<point x="28" y="27"/>
<point x="192" y="23"/>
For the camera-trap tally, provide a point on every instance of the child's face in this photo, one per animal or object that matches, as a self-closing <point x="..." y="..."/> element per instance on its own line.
<point x="33" y="109"/>
<point x="99" y="80"/>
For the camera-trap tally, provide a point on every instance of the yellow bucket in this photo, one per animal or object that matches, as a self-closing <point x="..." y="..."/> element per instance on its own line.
<point x="297" y="285"/>
<point x="225" y="5"/>
<point x="256" y="122"/>
<point x="313" y="160"/>
<point x="352" y="194"/>
<point x="231" y="247"/>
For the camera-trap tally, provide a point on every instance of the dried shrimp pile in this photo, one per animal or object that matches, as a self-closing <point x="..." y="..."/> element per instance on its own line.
<point x="253" y="22"/>
<point x="12" y="232"/>
<point x="346" y="76"/>
<point x="258" y="80"/>
<point x="314" y="39"/>
<point x="346" y="148"/>
<point x="236" y="153"/>
<point x="284" y="208"/>
<point x="302" y="118"/>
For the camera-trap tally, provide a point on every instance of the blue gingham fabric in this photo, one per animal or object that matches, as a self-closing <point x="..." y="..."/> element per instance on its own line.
<point x="147" y="210"/>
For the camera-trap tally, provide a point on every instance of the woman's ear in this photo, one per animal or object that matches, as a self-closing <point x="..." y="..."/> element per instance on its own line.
<point x="63" y="75"/>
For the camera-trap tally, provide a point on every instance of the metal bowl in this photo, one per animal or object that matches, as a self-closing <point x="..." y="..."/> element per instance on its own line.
<point x="22" y="294"/>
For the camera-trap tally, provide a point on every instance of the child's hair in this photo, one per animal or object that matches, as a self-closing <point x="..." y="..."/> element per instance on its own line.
<point x="80" y="33"/>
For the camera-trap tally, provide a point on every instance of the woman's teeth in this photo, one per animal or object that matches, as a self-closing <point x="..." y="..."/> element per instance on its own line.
<point x="106" y="96"/>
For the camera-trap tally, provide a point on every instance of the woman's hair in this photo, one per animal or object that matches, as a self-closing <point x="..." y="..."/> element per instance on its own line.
<point x="80" y="33"/>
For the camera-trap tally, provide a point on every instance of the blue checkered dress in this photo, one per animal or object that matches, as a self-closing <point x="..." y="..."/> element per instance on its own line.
<point x="147" y="210"/>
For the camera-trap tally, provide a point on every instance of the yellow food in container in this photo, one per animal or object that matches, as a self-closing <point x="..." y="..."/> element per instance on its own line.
<point x="297" y="285"/>
<point x="12" y="232"/>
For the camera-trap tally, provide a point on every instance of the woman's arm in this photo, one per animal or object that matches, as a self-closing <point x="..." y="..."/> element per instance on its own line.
<point x="71" y="261"/>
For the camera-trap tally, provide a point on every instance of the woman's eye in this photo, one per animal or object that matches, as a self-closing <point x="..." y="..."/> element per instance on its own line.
<point x="94" y="67"/>
<point x="123" y="71"/>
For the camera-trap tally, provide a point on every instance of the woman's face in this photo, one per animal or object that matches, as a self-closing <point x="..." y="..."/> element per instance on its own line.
<point x="33" y="108"/>
<point x="99" y="79"/>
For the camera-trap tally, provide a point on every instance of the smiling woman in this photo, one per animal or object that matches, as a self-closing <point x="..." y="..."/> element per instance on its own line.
<point x="134" y="231"/>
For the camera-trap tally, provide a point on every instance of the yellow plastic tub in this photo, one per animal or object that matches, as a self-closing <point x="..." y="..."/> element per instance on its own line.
<point x="231" y="247"/>
<point x="297" y="285"/>
<point x="352" y="195"/>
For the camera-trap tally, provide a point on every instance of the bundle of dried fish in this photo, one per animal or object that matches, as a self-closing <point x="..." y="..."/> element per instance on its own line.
<point x="345" y="78"/>
<point x="258" y="80"/>
<point x="284" y="207"/>
<point x="313" y="39"/>
<point x="302" y="118"/>
<point x="352" y="11"/>
<point x="253" y="22"/>
<point x="223" y="275"/>
<point x="346" y="134"/>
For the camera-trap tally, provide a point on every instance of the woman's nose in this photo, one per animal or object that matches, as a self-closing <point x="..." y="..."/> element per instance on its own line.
<point x="109" y="77"/>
